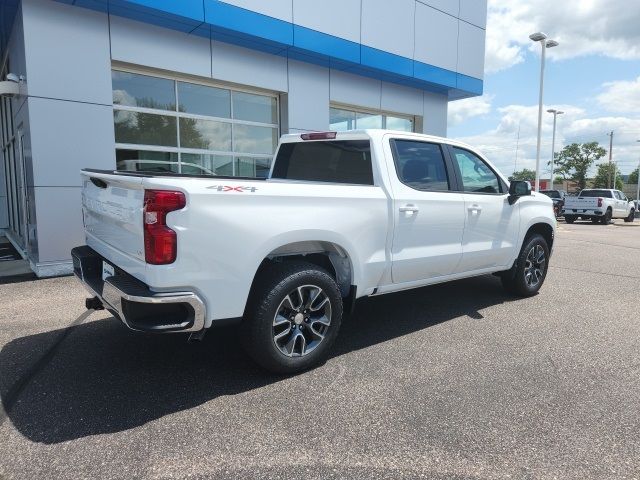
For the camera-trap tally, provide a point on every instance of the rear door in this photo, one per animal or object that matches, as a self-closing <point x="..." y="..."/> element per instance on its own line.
<point x="428" y="212"/>
<point x="492" y="225"/>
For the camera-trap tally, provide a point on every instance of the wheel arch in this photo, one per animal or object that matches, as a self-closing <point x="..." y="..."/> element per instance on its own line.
<point x="542" y="228"/>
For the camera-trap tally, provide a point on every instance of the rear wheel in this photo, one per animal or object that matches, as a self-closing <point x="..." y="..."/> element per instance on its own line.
<point x="292" y="318"/>
<point x="569" y="218"/>
<point x="595" y="219"/>
<point x="530" y="270"/>
<point x="631" y="217"/>
<point x="606" y="218"/>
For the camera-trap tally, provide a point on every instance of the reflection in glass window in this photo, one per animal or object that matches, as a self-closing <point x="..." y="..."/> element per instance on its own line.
<point x="400" y="124"/>
<point x="202" y="100"/>
<point x="146" y="161"/>
<point x="476" y="175"/>
<point x="341" y="120"/>
<point x="250" y="139"/>
<point x="145" y="128"/>
<point x="199" y="129"/>
<point x="252" y="167"/>
<point x="255" y="108"/>
<point x="133" y="90"/>
<point x="205" y="134"/>
<point x="206" y="164"/>
<point x="368" y="120"/>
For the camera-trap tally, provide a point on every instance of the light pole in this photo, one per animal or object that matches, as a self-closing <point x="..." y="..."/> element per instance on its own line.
<point x="544" y="43"/>
<point x="638" y="188"/>
<point x="553" y="142"/>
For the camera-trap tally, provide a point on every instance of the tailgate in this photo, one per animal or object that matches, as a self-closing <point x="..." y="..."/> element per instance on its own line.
<point x="112" y="211"/>
<point x="577" y="203"/>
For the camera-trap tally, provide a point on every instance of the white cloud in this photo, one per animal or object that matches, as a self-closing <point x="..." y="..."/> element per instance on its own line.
<point x="462" y="110"/>
<point x="622" y="96"/>
<point x="502" y="146"/>
<point x="583" y="27"/>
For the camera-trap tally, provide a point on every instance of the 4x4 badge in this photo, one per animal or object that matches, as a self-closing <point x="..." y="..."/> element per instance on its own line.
<point x="228" y="188"/>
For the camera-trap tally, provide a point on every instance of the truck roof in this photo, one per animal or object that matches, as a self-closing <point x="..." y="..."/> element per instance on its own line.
<point x="375" y="133"/>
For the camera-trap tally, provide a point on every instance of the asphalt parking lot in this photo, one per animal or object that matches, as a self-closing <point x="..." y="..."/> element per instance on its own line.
<point x="452" y="381"/>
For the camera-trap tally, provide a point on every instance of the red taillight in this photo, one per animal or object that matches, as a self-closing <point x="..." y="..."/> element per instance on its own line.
<point x="160" y="242"/>
<point x="599" y="201"/>
<point x="319" y="136"/>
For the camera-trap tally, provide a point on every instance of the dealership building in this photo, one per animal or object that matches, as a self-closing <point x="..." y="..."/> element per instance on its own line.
<point x="206" y="87"/>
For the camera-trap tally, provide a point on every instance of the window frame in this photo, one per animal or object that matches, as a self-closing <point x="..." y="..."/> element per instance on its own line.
<point x="178" y="149"/>
<point x="504" y="187"/>
<point x="368" y="111"/>
<point x="448" y="167"/>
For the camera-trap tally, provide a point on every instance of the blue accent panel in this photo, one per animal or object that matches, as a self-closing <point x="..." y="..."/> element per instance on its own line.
<point x="324" y="44"/>
<point x="246" y="41"/>
<point x="385" y="61"/>
<point x="98" y="5"/>
<point x="435" y="75"/>
<point x="246" y="22"/>
<point x="470" y="84"/>
<point x="136" y="10"/>
<point x="187" y="9"/>
<point x="8" y="9"/>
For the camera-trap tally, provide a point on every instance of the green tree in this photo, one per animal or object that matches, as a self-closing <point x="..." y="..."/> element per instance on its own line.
<point x="606" y="173"/>
<point x="574" y="161"/>
<point x="633" y="177"/>
<point x="524" y="174"/>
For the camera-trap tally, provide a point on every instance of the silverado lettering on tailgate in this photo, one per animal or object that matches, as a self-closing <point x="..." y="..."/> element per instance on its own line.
<point x="228" y="188"/>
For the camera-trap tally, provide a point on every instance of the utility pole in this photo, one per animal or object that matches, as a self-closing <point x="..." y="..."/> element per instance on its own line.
<point x="610" y="159"/>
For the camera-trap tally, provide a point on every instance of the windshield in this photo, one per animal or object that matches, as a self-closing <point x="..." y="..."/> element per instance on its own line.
<point x="551" y="193"/>
<point x="596" y="193"/>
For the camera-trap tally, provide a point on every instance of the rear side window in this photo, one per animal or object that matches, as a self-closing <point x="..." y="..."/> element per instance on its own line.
<point x="341" y="161"/>
<point x="420" y="165"/>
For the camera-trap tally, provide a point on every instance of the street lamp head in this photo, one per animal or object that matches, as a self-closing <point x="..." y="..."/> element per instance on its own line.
<point x="551" y="110"/>
<point x="559" y="112"/>
<point x="551" y="43"/>
<point x="538" y="36"/>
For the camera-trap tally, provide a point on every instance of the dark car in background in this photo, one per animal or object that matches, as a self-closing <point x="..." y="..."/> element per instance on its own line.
<point x="557" y="197"/>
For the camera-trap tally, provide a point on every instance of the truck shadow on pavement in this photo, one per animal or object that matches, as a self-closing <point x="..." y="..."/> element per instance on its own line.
<point x="103" y="378"/>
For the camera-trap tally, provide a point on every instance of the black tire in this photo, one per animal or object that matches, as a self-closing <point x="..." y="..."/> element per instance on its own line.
<point x="595" y="220"/>
<point x="569" y="218"/>
<point x="518" y="280"/>
<point x="606" y="218"/>
<point x="631" y="217"/>
<point x="268" y="298"/>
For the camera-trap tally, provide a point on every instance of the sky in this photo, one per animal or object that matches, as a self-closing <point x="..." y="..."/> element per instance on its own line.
<point x="593" y="76"/>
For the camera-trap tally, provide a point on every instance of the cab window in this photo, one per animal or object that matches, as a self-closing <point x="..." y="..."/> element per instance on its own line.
<point x="477" y="177"/>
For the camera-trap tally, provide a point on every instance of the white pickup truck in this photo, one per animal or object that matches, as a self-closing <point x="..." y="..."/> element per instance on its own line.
<point x="341" y="216"/>
<point x="599" y="206"/>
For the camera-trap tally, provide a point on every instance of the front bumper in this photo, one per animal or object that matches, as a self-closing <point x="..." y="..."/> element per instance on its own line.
<point x="133" y="302"/>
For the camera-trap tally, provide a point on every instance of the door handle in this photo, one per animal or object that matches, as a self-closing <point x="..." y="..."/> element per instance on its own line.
<point x="475" y="208"/>
<point x="409" y="209"/>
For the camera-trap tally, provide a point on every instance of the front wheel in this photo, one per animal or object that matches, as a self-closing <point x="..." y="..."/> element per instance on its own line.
<point x="631" y="217"/>
<point x="530" y="270"/>
<point x="292" y="318"/>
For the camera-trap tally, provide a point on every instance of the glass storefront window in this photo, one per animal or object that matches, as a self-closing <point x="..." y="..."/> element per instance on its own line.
<point x="341" y="119"/>
<point x="199" y="129"/>
<point x="133" y="90"/>
<point x="205" y="134"/>
<point x="203" y="100"/>
<point x="250" y="139"/>
<point x="145" y="128"/>
<point x="255" y="108"/>
<point x="146" y="161"/>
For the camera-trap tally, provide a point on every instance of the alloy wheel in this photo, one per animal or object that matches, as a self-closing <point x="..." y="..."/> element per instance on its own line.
<point x="302" y="321"/>
<point x="534" y="266"/>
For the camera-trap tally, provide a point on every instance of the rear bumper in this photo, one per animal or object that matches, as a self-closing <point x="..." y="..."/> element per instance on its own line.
<point x="581" y="211"/>
<point x="133" y="302"/>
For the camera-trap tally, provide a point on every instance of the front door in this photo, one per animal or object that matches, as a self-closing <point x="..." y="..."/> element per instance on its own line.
<point x="428" y="214"/>
<point x="492" y="225"/>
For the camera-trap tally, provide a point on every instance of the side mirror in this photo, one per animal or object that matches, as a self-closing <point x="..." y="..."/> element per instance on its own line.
<point x="517" y="189"/>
